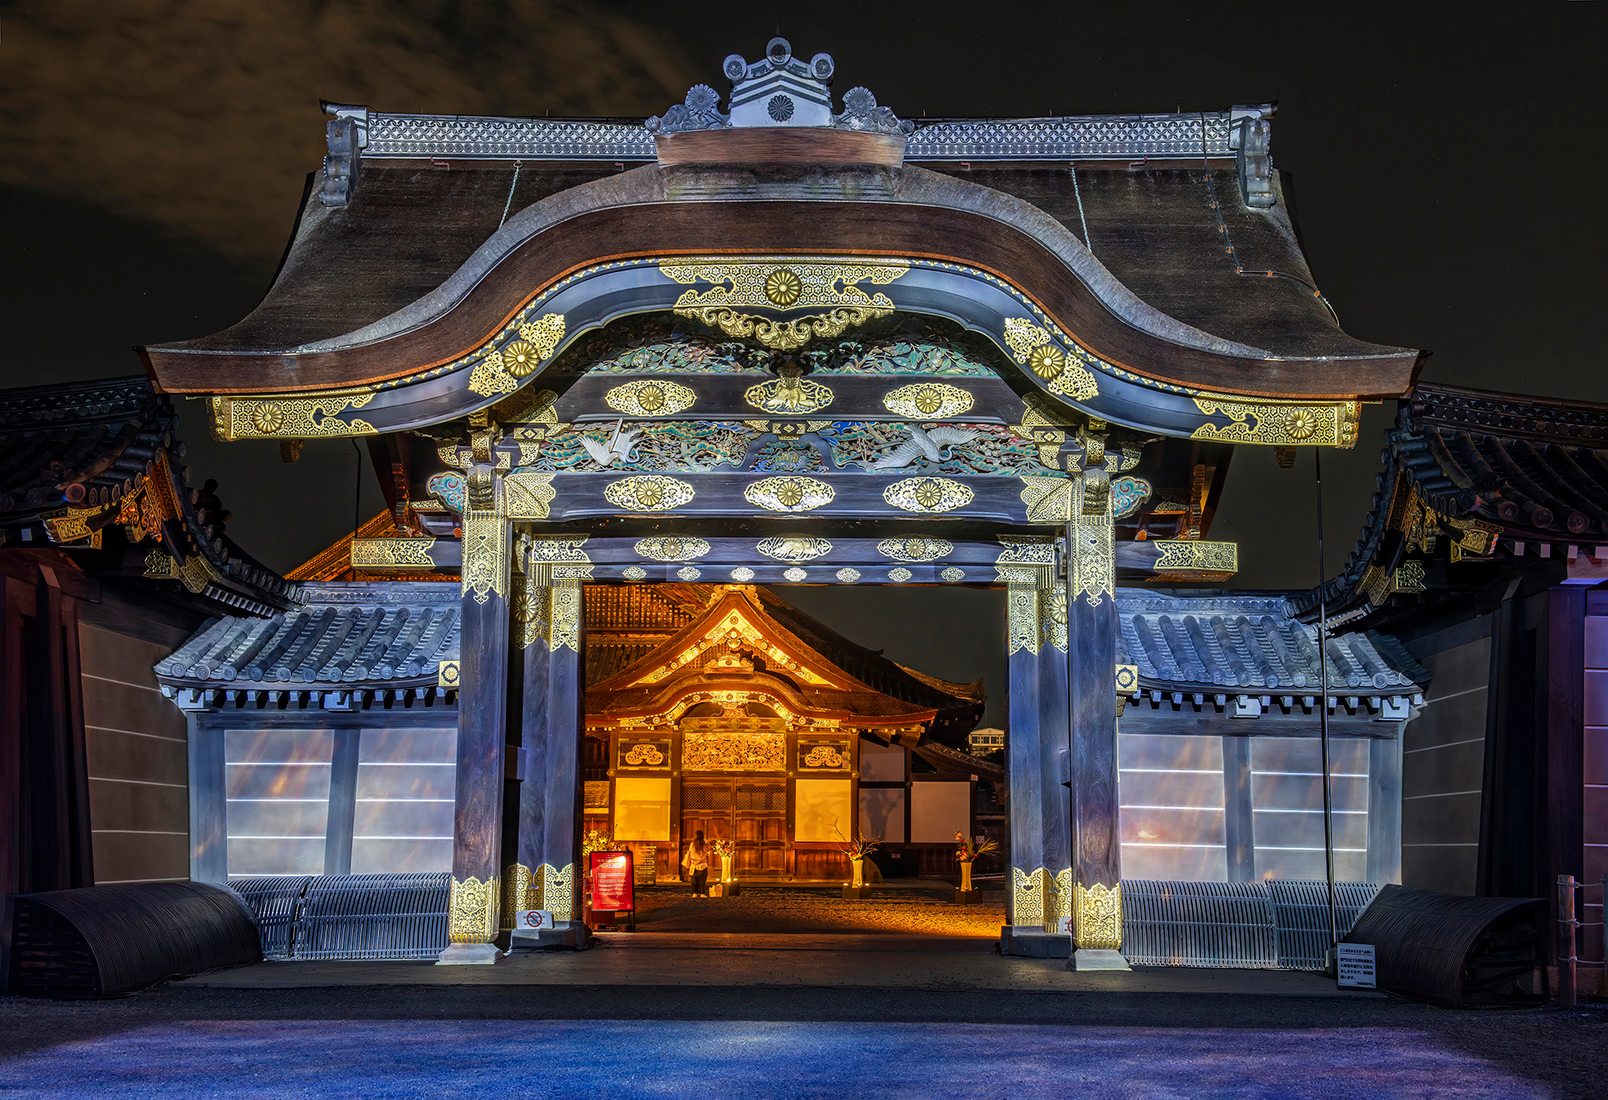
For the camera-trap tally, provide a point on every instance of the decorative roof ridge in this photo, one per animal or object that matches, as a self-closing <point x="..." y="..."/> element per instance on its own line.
<point x="121" y="398"/>
<point x="1565" y="422"/>
<point x="1196" y="602"/>
<point x="315" y="594"/>
<point x="1175" y="135"/>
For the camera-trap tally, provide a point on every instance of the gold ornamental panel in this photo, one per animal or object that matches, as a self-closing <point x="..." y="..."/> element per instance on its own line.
<point x="928" y="401"/>
<point x="648" y="493"/>
<point x="1196" y="556"/>
<point x="733" y="752"/>
<point x="672" y="548"/>
<point x="650" y="397"/>
<point x="1279" y="424"/>
<point x="788" y="494"/>
<point x="916" y="549"/>
<point x="794" y="550"/>
<point x="722" y="293"/>
<point x="500" y="370"/>
<point x="393" y="553"/>
<point x="290" y="416"/>
<point x="472" y="910"/>
<point x="789" y="396"/>
<point x="1097" y="916"/>
<point x="1061" y="369"/>
<point x="928" y="494"/>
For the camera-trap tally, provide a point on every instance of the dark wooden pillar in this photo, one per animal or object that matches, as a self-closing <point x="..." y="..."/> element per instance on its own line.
<point x="1055" y="755"/>
<point x="1091" y="669"/>
<point x="550" y="622"/>
<point x="472" y="916"/>
<point x="1024" y="589"/>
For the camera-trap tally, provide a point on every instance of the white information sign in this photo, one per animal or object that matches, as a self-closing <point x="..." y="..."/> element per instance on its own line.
<point x="1354" y="966"/>
<point x="533" y="920"/>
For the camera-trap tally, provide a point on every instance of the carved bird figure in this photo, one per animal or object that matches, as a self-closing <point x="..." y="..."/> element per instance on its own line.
<point x="621" y="447"/>
<point x="934" y="445"/>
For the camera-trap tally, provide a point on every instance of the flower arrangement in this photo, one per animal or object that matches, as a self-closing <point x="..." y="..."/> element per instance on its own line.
<point x="859" y="847"/>
<point x="968" y="849"/>
<point x="721" y="846"/>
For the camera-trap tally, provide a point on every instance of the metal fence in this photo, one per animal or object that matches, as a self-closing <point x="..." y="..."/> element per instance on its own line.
<point x="1277" y="924"/>
<point x="398" y="916"/>
<point x="1572" y="905"/>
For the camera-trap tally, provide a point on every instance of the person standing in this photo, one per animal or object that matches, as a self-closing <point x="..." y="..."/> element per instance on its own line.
<point x="696" y="863"/>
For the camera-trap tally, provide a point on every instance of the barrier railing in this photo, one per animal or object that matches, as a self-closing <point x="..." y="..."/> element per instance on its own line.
<point x="1570" y="893"/>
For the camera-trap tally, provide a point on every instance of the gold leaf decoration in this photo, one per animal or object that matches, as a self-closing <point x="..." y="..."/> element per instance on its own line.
<point x="742" y="574"/>
<point x="928" y="401"/>
<point x="648" y="493"/>
<point x="899" y="574"/>
<point x="848" y="575"/>
<point x="1028" y="896"/>
<point x="672" y="548"/>
<point x="634" y="573"/>
<point x="448" y="674"/>
<point x="528" y="495"/>
<point x="794" y="574"/>
<point x="928" y="494"/>
<point x="734" y="287"/>
<point x="952" y="574"/>
<point x="1279" y="424"/>
<point x="290" y="416"/>
<point x="472" y="910"/>
<point x="788" y="494"/>
<point x="1196" y="556"/>
<point x="1093" y="553"/>
<point x="1097" y="916"/>
<point x="1047" y="499"/>
<point x="650" y="397"/>
<point x="688" y="573"/>
<point x="499" y="370"/>
<point x="1061" y="370"/>
<point x="393" y="553"/>
<point x="916" y="549"/>
<point x="789" y="396"/>
<point x="794" y="550"/>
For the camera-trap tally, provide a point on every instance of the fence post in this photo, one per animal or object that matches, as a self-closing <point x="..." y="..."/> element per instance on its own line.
<point x="1566" y="941"/>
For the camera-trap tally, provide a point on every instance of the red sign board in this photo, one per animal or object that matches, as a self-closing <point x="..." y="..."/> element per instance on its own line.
<point x="612" y="886"/>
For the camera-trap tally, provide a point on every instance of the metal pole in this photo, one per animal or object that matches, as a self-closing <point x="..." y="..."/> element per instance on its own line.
<point x="1566" y="941"/>
<point x="1323" y="708"/>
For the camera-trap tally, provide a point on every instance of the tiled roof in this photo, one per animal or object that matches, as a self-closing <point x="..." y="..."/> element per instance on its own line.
<point x="80" y="461"/>
<point x="395" y="634"/>
<point x="1253" y="645"/>
<point x="82" y="444"/>
<point x="1533" y="470"/>
<point x="392" y="633"/>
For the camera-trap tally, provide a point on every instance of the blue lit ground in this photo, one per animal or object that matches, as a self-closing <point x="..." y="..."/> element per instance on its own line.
<point x="829" y="1016"/>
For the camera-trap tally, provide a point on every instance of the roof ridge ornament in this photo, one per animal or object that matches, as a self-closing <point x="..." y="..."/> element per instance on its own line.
<point x="778" y="90"/>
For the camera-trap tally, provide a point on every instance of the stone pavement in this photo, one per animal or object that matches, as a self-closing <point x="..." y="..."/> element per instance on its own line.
<point x="767" y="960"/>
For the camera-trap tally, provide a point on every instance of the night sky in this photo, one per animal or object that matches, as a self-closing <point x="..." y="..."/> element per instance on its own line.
<point x="1445" y="171"/>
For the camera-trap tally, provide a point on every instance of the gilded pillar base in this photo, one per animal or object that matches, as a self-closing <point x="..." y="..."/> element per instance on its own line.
<point x="1041" y="899"/>
<point x="472" y="911"/>
<point x="556" y="886"/>
<point x="518" y="893"/>
<point x="1097" y="917"/>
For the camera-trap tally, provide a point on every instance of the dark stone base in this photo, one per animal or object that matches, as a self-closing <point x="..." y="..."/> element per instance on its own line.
<point x="568" y="937"/>
<point x="1032" y="943"/>
<point x="965" y="897"/>
<point x="856" y="893"/>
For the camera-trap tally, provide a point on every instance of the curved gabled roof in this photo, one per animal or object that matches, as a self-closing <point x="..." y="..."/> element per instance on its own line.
<point x="418" y="269"/>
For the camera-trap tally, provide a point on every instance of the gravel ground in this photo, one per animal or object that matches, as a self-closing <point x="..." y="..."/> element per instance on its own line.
<point x="800" y="1041"/>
